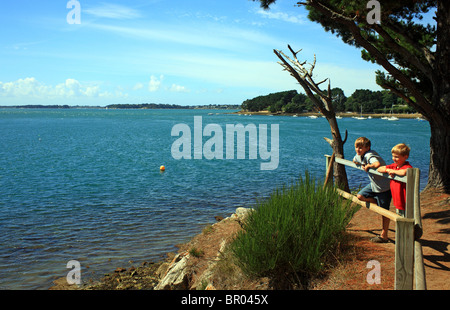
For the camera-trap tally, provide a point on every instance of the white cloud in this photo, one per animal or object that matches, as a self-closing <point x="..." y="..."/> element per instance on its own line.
<point x="31" y="88"/>
<point x="138" y="86"/>
<point x="92" y="91"/>
<point x="226" y="71"/>
<point x="21" y="87"/>
<point x="154" y="83"/>
<point x="295" y="19"/>
<point x="114" y="11"/>
<point x="211" y="35"/>
<point x="179" y="89"/>
<point x="72" y="88"/>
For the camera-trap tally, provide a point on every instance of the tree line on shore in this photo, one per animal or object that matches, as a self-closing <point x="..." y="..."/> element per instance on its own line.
<point x="363" y="100"/>
<point x="129" y="106"/>
<point x="170" y="106"/>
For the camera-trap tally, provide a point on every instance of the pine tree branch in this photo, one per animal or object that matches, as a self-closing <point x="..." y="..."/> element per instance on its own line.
<point x="408" y="56"/>
<point x="394" y="27"/>
<point x="402" y="95"/>
<point x="373" y="50"/>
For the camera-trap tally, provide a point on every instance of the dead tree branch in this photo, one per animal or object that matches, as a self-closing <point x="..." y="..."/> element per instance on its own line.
<point x="322" y="100"/>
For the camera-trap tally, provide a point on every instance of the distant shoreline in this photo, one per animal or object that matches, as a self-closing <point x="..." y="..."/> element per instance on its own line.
<point x="143" y="106"/>
<point x="341" y="114"/>
<point x="214" y="107"/>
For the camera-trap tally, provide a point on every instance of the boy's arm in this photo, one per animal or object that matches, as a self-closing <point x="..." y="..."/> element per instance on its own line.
<point x="401" y="172"/>
<point x="373" y="165"/>
<point x="388" y="169"/>
<point x="382" y="169"/>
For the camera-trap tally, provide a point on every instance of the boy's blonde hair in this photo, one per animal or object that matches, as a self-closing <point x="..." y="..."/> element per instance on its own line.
<point x="362" y="141"/>
<point x="401" y="149"/>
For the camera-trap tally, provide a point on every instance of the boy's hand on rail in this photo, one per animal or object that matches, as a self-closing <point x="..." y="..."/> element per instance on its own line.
<point x="391" y="172"/>
<point x="374" y="165"/>
<point x="366" y="167"/>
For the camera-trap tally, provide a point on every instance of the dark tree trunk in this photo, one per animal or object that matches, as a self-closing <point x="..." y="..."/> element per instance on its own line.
<point x="439" y="173"/>
<point x="337" y="144"/>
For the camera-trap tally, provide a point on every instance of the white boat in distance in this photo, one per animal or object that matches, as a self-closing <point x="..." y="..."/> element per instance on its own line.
<point x="360" y="117"/>
<point x="392" y="118"/>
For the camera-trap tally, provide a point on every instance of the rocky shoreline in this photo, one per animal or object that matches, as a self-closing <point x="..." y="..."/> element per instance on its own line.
<point x="179" y="271"/>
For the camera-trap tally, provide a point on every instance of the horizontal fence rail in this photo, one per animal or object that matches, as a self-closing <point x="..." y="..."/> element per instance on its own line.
<point x="371" y="206"/>
<point x="373" y="171"/>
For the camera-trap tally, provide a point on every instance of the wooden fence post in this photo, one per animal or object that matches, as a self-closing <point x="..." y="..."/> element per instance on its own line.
<point x="404" y="254"/>
<point x="329" y="169"/>
<point x="419" y="268"/>
<point x="411" y="176"/>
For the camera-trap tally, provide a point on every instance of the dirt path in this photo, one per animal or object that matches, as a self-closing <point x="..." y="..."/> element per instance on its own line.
<point x="435" y="210"/>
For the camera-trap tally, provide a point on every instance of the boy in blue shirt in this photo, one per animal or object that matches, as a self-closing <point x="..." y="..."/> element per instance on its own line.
<point x="378" y="190"/>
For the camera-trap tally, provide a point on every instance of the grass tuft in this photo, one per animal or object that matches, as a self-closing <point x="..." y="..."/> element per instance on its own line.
<point x="293" y="231"/>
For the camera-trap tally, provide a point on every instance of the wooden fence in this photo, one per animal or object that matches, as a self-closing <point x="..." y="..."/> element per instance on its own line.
<point x="409" y="267"/>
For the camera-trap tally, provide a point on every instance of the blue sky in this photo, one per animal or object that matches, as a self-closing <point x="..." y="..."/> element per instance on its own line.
<point x="160" y="51"/>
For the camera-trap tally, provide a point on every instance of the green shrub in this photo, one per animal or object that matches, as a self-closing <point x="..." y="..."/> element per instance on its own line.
<point x="292" y="230"/>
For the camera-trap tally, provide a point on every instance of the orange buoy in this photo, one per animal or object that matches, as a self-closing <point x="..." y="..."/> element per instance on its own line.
<point x="162" y="168"/>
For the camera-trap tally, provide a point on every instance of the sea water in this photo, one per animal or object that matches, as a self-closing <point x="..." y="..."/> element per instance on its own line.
<point x="85" y="184"/>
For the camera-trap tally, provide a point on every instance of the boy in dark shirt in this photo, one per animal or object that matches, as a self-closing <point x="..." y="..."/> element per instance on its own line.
<point x="377" y="191"/>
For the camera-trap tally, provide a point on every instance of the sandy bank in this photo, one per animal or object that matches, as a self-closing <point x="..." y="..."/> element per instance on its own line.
<point x="341" y="114"/>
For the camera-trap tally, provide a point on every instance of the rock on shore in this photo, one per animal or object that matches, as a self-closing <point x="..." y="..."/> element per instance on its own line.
<point x="179" y="274"/>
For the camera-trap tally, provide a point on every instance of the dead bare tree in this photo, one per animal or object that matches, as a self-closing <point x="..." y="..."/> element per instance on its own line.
<point x="323" y="102"/>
